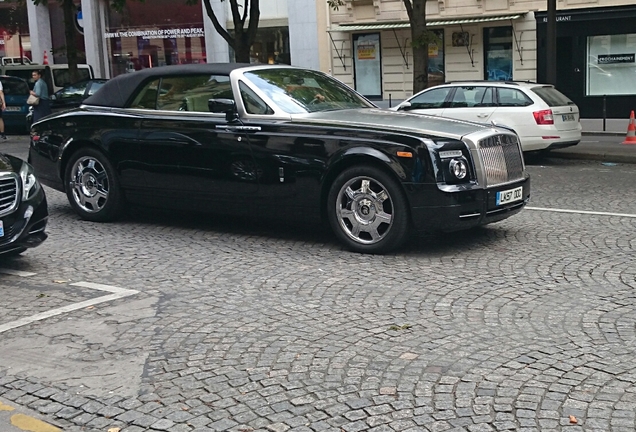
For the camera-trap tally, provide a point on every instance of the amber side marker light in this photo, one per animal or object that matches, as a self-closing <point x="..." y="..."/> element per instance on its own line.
<point x="405" y="154"/>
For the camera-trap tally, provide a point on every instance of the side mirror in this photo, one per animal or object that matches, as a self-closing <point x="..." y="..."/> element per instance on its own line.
<point x="404" y="106"/>
<point x="223" y="106"/>
<point x="53" y="97"/>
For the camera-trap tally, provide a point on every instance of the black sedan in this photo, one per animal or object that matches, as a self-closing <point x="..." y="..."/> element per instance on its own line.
<point x="23" y="208"/>
<point x="277" y="141"/>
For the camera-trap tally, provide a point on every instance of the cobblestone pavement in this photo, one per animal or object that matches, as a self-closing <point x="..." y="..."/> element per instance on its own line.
<point x="242" y="325"/>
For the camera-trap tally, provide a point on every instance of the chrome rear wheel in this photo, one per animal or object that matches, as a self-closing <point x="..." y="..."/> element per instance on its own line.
<point x="89" y="184"/>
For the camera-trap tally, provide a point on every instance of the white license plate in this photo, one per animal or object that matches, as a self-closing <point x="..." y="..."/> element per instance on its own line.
<point x="510" y="195"/>
<point x="1" y="229"/>
<point x="568" y="117"/>
<point x="12" y="108"/>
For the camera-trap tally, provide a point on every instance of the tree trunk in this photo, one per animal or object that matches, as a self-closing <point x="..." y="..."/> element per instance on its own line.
<point x="69" y="34"/>
<point x="242" y="48"/>
<point x="420" y="38"/>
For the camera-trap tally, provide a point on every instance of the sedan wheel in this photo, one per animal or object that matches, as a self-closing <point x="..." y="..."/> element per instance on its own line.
<point x="368" y="210"/>
<point x="92" y="186"/>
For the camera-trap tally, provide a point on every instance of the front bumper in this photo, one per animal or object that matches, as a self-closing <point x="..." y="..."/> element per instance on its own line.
<point x="464" y="209"/>
<point x="22" y="231"/>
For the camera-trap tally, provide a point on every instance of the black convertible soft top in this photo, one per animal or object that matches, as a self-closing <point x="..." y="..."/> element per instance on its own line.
<point x="116" y="92"/>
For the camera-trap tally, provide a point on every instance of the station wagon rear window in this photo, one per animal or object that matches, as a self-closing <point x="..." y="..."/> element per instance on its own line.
<point x="552" y="96"/>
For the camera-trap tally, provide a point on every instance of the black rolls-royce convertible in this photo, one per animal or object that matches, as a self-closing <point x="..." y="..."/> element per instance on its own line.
<point x="277" y="141"/>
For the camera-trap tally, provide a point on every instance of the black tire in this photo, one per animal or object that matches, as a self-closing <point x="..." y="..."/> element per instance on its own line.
<point x="92" y="186"/>
<point x="352" y="210"/>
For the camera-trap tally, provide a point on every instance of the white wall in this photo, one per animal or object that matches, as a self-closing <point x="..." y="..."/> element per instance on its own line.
<point x="303" y="33"/>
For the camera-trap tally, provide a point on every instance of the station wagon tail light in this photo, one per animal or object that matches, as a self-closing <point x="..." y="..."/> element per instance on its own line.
<point x="544" y="117"/>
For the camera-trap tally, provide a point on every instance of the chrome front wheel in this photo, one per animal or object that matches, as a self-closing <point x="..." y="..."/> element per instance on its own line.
<point x="365" y="210"/>
<point x="368" y="210"/>
<point x="92" y="187"/>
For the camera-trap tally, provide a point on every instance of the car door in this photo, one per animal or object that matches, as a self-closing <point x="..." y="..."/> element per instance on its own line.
<point x="195" y="156"/>
<point x="472" y="103"/>
<point x="431" y="101"/>
<point x="290" y="158"/>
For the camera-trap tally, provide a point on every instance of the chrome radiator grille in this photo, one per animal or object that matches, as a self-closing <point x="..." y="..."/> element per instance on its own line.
<point x="502" y="159"/>
<point x="8" y="192"/>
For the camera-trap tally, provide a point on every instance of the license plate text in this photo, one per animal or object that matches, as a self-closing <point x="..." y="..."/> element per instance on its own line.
<point x="510" y="195"/>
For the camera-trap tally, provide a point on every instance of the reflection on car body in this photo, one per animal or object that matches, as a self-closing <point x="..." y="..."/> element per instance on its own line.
<point x="237" y="139"/>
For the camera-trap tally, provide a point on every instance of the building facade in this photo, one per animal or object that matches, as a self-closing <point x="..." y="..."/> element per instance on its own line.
<point x="165" y="32"/>
<point x="488" y="40"/>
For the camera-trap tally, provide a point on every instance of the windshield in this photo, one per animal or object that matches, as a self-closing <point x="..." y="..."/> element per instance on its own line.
<point x="62" y="77"/>
<point x="304" y="91"/>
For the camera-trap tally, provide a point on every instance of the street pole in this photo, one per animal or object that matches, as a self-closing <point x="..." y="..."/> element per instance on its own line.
<point x="551" y="44"/>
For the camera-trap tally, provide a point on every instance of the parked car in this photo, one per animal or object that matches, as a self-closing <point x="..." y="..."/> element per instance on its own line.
<point x="16" y="92"/>
<point x="56" y="76"/>
<point x="23" y="207"/>
<point x="70" y="97"/>
<point x="542" y="116"/>
<point x="277" y="141"/>
<point x="73" y="95"/>
<point x="15" y="60"/>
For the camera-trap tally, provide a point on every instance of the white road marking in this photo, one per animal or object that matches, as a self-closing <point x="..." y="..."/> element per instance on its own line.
<point x="627" y="215"/>
<point x="16" y="272"/>
<point x="117" y="293"/>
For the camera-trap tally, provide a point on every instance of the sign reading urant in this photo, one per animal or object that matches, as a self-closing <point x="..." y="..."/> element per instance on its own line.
<point x="616" y="58"/>
<point x="158" y="33"/>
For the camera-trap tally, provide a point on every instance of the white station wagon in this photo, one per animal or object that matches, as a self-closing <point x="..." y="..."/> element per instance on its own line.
<point x="542" y="117"/>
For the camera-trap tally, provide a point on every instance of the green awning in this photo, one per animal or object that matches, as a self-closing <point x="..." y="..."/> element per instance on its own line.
<point x="437" y="23"/>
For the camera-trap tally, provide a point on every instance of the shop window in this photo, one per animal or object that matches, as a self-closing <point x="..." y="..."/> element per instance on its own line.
<point x="367" y="65"/>
<point x="611" y="64"/>
<point x="436" y="71"/>
<point x="431" y="99"/>
<point x="498" y="53"/>
<point x="270" y="47"/>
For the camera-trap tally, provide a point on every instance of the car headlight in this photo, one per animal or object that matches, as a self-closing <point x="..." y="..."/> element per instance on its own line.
<point x="459" y="168"/>
<point x="30" y="184"/>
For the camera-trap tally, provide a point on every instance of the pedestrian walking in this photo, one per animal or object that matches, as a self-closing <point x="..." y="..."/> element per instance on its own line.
<point x="41" y="90"/>
<point x="3" y="106"/>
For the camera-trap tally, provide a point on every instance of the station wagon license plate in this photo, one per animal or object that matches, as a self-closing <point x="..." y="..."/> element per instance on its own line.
<point x="510" y="195"/>
<point x="1" y="229"/>
<point x="568" y="117"/>
<point x="13" y="108"/>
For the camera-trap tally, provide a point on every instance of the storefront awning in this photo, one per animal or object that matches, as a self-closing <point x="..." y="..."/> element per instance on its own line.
<point x="436" y="23"/>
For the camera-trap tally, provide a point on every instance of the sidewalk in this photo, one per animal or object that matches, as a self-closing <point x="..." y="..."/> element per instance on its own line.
<point x="601" y="145"/>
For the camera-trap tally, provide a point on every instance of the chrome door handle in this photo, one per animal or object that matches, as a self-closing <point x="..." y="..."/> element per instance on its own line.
<point x="482" y="115"/>
<point x="241" y="128"/>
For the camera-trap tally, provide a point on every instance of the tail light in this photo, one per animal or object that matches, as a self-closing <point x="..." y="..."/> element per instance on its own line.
<point x="543" y="117"/>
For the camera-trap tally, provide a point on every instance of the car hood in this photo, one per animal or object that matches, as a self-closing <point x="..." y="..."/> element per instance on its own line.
<point x="376" y="118"/>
